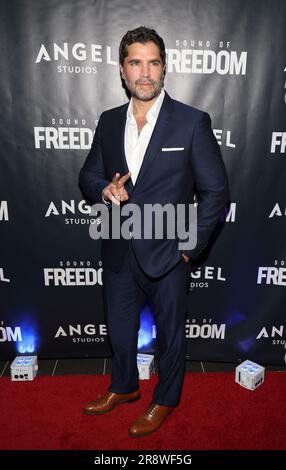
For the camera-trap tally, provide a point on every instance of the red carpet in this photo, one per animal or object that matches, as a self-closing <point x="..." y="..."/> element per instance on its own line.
<point x="215" y="413"/>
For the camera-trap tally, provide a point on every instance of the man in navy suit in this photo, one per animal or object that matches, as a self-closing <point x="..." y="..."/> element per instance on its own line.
<point x="152" y="150"/>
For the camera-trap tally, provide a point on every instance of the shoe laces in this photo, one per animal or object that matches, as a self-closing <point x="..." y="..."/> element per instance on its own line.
<point x="152" y="408"/>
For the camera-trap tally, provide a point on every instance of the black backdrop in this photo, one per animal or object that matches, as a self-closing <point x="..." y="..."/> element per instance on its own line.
<point x="59" y="71"/>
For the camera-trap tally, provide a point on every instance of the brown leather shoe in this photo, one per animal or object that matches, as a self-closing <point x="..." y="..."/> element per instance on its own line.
<point x="150" y="420"/>
<point x="106" y="403"/>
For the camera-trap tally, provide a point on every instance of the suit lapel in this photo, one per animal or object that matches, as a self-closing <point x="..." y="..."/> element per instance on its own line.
<point x="123" y="161"/>
<point x="159" y="136"/>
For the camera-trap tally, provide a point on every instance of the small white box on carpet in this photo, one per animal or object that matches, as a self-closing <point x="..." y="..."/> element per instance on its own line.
<point x="145" y="364"/>
<point x="24" y="368"/>
<point x="249" y="375"/>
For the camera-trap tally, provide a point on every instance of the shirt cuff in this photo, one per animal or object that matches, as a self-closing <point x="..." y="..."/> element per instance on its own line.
<point x="104" y="199"/>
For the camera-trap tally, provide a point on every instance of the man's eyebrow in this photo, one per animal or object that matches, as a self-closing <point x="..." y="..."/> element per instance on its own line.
<point x="139" y="60"/>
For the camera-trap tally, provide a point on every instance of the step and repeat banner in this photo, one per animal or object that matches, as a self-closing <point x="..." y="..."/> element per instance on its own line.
<point x="59" y="72"/>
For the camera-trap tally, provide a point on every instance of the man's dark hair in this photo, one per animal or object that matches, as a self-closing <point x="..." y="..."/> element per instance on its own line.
<point x="142" y="35"/>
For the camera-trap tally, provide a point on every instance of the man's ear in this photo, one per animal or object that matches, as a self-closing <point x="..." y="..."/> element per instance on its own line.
<point x="122" y="72"/>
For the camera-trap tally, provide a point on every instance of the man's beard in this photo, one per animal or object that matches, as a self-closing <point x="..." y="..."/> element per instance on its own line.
<point x="148" y="95"/>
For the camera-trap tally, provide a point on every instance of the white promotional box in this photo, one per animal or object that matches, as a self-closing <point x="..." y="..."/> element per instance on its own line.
<point x="249" y="375"/>
<point x="24" y="368"/>
<point x="145" y="364"/>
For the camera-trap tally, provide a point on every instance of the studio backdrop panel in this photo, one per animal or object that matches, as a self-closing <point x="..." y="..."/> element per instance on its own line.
<point x="59" y="72"/>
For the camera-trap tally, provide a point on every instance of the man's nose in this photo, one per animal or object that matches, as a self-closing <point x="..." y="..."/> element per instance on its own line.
<point x="145" y="70"/>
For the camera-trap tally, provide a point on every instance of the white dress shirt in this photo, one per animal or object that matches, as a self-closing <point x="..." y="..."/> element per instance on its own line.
<point x="136" y="142"/>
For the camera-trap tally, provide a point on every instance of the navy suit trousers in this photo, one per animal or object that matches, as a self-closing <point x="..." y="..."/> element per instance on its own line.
<point x="167" y="296"/>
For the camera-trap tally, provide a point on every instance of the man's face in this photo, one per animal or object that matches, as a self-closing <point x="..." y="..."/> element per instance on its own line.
<point x="143" y="71"/>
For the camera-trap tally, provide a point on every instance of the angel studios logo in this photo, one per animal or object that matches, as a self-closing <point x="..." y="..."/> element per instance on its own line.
<point x="224" y="138"/>
<point x="206" y="274"/>
<point x="76" y="58"/>
<point x="72" y="212"/>
<point x="274" y="333"/>
<point x="82" y="333"/>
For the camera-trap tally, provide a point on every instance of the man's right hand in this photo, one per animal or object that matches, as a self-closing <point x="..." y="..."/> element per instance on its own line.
<point x="115" y="191"/>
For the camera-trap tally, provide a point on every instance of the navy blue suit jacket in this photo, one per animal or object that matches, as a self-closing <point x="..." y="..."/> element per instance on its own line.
<point x="165" y="177"/>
